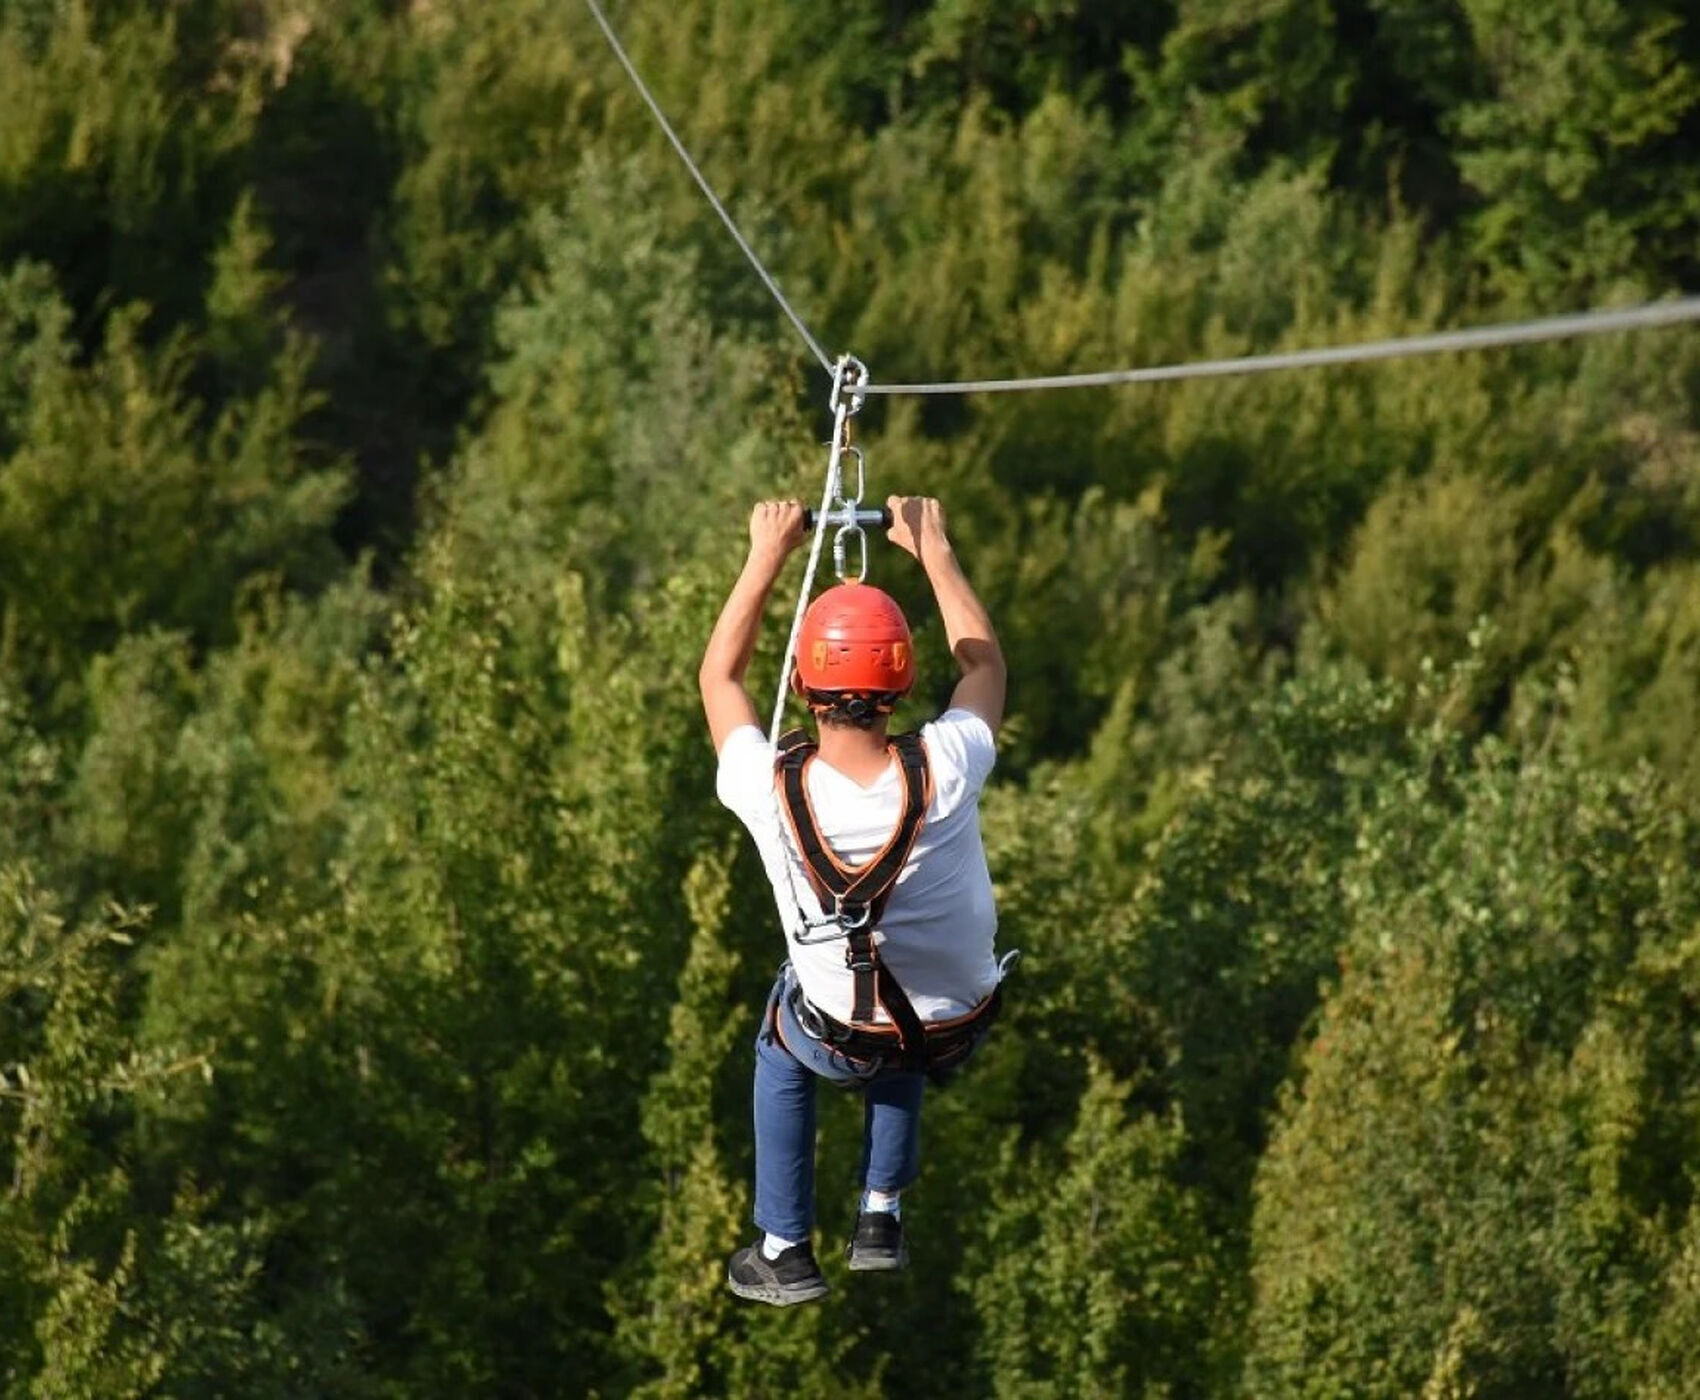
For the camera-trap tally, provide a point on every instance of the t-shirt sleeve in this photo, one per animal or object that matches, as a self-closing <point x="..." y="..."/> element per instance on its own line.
<point x="744" y="779"/>
<point x="962" y="750"/>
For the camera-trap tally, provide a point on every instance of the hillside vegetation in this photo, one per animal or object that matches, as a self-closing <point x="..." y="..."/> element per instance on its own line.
<point x="380" y="409"/>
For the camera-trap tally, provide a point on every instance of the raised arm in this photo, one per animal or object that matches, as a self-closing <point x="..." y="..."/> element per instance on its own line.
<point x="776" y="528"/>
<point x="917" y="525"/>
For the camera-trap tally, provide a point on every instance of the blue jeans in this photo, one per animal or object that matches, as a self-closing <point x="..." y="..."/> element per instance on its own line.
<point x="787" y="1064"/>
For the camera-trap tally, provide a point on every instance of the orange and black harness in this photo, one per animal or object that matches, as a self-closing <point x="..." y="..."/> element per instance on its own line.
<point x="855" y="897"/>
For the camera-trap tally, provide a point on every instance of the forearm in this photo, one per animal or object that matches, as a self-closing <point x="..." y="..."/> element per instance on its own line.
<point x="967" y="624"/>
<point x="733" y="641"/>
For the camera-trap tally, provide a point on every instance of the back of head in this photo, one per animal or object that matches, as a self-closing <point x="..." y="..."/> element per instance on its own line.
<point x="854" y="655"/>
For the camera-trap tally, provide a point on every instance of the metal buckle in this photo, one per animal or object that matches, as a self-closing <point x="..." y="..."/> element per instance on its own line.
<point x="853" y="916"/>
<point x="807" y="1017"/>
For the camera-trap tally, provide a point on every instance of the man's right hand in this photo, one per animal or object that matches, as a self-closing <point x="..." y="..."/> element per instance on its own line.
<point x="917" y="524"/>
<point x="776" y="528"/>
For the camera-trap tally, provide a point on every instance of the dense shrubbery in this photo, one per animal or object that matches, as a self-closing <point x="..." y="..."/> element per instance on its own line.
<point x="379" y="409"/>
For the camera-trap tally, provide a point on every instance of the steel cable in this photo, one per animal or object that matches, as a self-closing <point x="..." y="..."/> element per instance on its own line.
<point x="703" y="185"/>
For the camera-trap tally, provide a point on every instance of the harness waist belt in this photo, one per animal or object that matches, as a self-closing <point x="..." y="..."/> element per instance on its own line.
<point x="944" y="1042"/>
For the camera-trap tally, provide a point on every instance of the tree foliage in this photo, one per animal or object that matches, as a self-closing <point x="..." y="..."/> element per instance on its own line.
<point x="380" y="405"/>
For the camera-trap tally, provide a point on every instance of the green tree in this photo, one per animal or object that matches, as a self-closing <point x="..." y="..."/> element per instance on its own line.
<point x="1095" y="1276"/>
<point x="1478" y="1181"/>
<point x="1591" y="105"/>
<point x="124" y="505"/>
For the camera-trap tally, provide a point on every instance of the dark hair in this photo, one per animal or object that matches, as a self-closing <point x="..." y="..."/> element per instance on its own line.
<point x="859" y="709"/>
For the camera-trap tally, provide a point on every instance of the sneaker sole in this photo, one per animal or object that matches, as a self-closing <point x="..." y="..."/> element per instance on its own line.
<point x="878" y="1263"/>
<point x="779" y="1295"/>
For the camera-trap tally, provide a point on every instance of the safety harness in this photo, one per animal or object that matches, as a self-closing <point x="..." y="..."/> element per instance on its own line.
<point x="855" y="898"/>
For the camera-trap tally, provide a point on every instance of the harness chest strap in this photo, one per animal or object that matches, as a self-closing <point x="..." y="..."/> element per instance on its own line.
<point x="857" y="895"/>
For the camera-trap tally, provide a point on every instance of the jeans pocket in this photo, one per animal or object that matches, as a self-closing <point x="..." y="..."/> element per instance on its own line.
<point x="769" y="1028"/>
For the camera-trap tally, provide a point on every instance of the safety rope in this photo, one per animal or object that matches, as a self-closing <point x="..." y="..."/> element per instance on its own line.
<point x="1596" y="322"/>
<point x="703" y="185"/>
<point x="848" y="376"/>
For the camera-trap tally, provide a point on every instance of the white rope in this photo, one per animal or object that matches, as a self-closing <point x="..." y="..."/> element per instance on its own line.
<point x="843" y="408"/>
<point x="802" y="607"/>
<point x="703" y="185"/>
<point x="799" y="933"/>
<point x="1662" y="313"/>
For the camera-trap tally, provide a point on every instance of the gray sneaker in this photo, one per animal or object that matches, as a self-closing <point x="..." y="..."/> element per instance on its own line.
<point x="877" y="1245"/>
<point x="793" y="1277"/>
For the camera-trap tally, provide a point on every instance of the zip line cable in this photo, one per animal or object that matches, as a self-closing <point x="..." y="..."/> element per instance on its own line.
<point x="703" y="185"/>
<point x="1662" y="313"/>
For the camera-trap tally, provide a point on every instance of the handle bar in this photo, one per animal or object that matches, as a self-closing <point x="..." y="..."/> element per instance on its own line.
<point x="867" y="515"/>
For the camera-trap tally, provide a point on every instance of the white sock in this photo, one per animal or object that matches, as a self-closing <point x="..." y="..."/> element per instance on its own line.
<point x="882" y="1202"/>
<point x="772" y="1246"/>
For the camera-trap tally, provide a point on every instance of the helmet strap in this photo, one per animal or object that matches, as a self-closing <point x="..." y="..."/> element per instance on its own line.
<point x="855" y="708"/>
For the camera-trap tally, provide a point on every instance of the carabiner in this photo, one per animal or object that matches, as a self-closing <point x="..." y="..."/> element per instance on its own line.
<point x="851" y="502"/>
<point x="840" y="550"/>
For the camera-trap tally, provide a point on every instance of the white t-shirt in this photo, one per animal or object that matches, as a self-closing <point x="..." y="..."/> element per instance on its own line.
<point x="937" y="932"/>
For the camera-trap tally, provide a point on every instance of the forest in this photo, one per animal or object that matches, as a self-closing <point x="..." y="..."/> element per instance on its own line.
<point x="381" y="407"/>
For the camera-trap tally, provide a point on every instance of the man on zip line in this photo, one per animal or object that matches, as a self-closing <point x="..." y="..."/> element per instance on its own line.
<point x="872" y="846"/>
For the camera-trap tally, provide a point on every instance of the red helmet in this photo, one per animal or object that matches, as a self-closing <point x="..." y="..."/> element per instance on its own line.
<point x="855" y="638"/>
